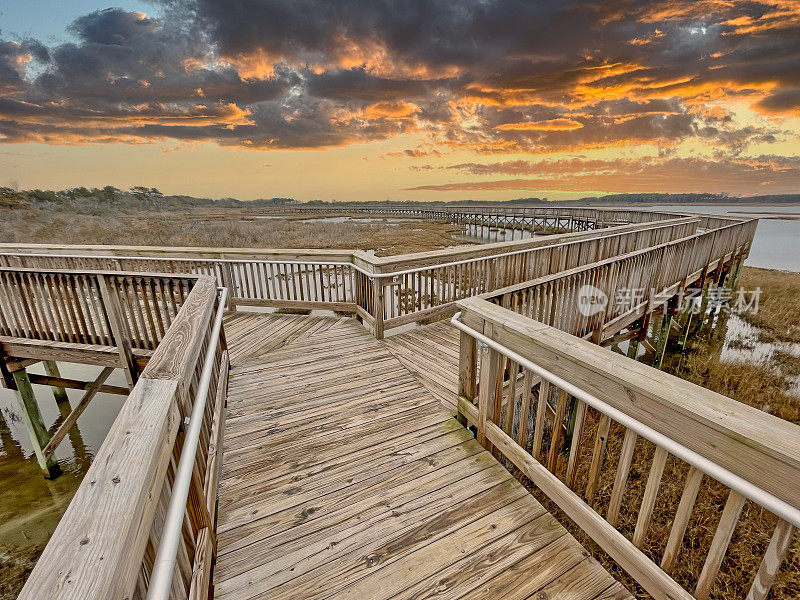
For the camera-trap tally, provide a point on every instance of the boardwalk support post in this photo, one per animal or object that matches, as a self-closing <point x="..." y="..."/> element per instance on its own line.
<point x="34" y="424"/>
<point x="663" y="336"/>
<point x="59" y="393"/>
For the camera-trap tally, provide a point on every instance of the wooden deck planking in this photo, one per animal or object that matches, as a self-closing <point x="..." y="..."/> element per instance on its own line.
<point x="431" y="354"/>
<point x="344" y="477"/>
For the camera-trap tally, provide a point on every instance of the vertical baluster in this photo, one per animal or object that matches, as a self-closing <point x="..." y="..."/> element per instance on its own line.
<point x="558" y="431"/>
<point x="719" y="545"/>
<point x="157" y="309"/>
<point x="513" y="371"/>
<point x="690" y="488"/>
<point x="601" y="438"/>
<point x="525" y="408"/>
<point x="541" y="411"/>
<point x="140" y="286"/>
<point x="621" y="478"/>
<point x="650" y="493"/>
<point x="771" y="563"/>
<point x="575" y="445"/>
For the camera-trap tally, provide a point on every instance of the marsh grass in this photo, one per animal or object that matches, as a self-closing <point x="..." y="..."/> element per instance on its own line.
<point x="778" y="315"/>
<point x="234" y="228"/>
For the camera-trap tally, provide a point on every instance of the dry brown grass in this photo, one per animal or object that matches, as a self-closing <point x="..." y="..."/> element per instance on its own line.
<point x="778" y="314"/>
<point x="222" y="229"/>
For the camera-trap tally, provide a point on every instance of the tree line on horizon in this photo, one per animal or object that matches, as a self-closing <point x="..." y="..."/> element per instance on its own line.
<point x="150" y="198"/>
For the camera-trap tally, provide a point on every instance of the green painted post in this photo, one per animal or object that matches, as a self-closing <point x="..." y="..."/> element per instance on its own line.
<point x="686" y="327"/>
<point x="633" y="348"/>
<point x="663" y="336"/>
<point x="34" y="424"/>
<point x="705" y="290"/>
<point x="59" y="393"/>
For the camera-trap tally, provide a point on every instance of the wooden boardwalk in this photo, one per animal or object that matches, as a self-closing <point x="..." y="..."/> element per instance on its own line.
<point x="344" y="477"/>
<point x="430" y="353"/>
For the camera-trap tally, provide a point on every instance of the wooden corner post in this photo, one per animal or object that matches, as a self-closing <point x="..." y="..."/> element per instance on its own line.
<point x="467" y="376"/>
<point x="488" y="392"/>
<point x="378" y="308"/>
<point x="116" y="322"/>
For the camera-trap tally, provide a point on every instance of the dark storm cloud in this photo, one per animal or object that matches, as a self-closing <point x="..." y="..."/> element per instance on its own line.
<point x="486" y="75"/>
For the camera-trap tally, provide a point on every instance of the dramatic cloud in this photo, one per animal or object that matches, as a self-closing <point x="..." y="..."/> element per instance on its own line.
<point x="484" y="76"/>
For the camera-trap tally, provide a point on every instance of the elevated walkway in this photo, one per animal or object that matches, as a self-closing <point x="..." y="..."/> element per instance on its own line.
<point x="345" y="477"/>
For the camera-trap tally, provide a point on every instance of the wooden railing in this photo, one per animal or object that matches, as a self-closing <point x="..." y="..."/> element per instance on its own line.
<point x="82" y="310"/>
<point x="414" y="293"/>
<point x="600" y="216"/>
<point x="384" y="292"/>
<point x="278" y="278"/>
<point x="630" y="284"/>
<point x="556" y="406"/>
<point x="106" y="541"/>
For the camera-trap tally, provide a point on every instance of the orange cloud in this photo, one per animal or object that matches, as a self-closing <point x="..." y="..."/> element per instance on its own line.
<point x="549" y="125"/>
<point x="391" y="110"/>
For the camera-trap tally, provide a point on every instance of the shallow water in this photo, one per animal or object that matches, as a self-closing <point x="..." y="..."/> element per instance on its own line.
<point x="484" y="234"/>
<point x="30" y="505"/>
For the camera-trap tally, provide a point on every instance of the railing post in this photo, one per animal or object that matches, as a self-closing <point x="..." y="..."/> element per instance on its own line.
<point x="467" y="377"/>
<point x="227" y="281"/>
<point x="488" y="393"/>
<point x="116" y="322"/>
<point x="378" y="308"/>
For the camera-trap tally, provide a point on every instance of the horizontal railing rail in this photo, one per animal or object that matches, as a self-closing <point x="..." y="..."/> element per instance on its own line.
<point x="425" y="292"/>
<point x="161" y="578"/>
<point x="106" y="542"/>
<point x="555" y="406"/>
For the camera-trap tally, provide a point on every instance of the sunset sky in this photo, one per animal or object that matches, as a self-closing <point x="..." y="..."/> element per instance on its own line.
<point x="418" y="100"/>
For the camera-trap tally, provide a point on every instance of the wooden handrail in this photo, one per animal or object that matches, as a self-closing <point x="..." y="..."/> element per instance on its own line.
<point x="761" y="449"/>
<point x="103" y="546"/>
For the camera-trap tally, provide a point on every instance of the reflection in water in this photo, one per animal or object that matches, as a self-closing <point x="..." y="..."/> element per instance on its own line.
<point x="481" y="234"/>
<point x="30" y="505"/>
